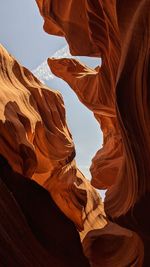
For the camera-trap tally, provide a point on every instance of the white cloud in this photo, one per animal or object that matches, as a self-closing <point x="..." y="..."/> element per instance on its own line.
<point x="43" y="73"/>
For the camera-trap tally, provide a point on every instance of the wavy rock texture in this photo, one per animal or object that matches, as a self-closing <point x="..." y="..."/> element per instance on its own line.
<point x="58" y="24"/>
<point x="25" y="128"/>
<point x="38" y="233"/>
<point x="126" y="248"/>
<point x="37" y="143"/>
<point x="33" y="231"/>
<point x="135" y="128"/>
<point x="88" y="86"/>
<point x="117" y="93"/>
<point x="91" y="86"/>
<point x="132" y="89"/>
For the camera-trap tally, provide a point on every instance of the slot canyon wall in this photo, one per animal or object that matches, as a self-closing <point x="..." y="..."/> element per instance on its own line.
<point x="51" y="215"/>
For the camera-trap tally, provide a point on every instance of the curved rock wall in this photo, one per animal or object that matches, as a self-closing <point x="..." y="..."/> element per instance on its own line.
<point x="37" y="143"/>
<point x="37" y="150"/>
<point x="117" y="93"/>
<point x="92" y="86"/>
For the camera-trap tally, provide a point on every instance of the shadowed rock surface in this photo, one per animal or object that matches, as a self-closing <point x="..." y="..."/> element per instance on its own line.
<point x="34" y="232"/>
<point x="113" y="246"/>
<point x="44" y="197"/>
<point x="91" y="86"/>
<point x="117" y="93"/>
<point x="37" y="144"/>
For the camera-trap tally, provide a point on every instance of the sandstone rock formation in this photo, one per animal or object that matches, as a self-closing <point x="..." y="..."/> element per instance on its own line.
<point x="44" y="198"/>
<point x="33" y="230"/>
<point x="38" y="146"/>
<point x="88" y="86"/>
<point x="113" y="246"/>
<point x="91" y="86"/>
<point x="117" y="93"/>
<point x="37" y="143"/>
<point x="132" y="208"/>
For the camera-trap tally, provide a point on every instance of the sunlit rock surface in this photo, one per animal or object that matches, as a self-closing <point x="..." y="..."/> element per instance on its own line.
<point x="88" y="86"/>
<point x="91" y="86"/>
<point x="47" y="206"/>
<point x="37" y="143"/>
<point x="117" y="93"/>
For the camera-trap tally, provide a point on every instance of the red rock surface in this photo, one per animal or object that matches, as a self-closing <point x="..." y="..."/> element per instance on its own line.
<point x="33" y="230"/>
<point x="113" y="246"/>
<point x="37" y="143"/>
<point x="118" y="95"/>
<point x="91" y="86"/>
<point x="132" y="208"/>
<point x="88" y="85"/>
<point x="44" y="198"/>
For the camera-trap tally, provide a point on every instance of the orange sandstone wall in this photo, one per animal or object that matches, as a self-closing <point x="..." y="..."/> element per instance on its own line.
<point x="117" y="93"/>
<point x="50" y="214"/>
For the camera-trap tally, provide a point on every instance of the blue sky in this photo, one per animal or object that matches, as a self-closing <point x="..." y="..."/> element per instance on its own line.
<point x="22" y="34"/>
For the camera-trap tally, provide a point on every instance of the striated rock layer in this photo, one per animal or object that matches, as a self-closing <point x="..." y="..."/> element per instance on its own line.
<point x="91" y="86"/>
<point x="117" y="93"/>
<point x="44" y="198"/>
<point x="33" y="128"/>
<point x="113" y="246"/>
<point x="132" y="209"/>
<point x="37" y="143"/>
<point x="33" y="230"/>
<point x="88" y="86"/>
